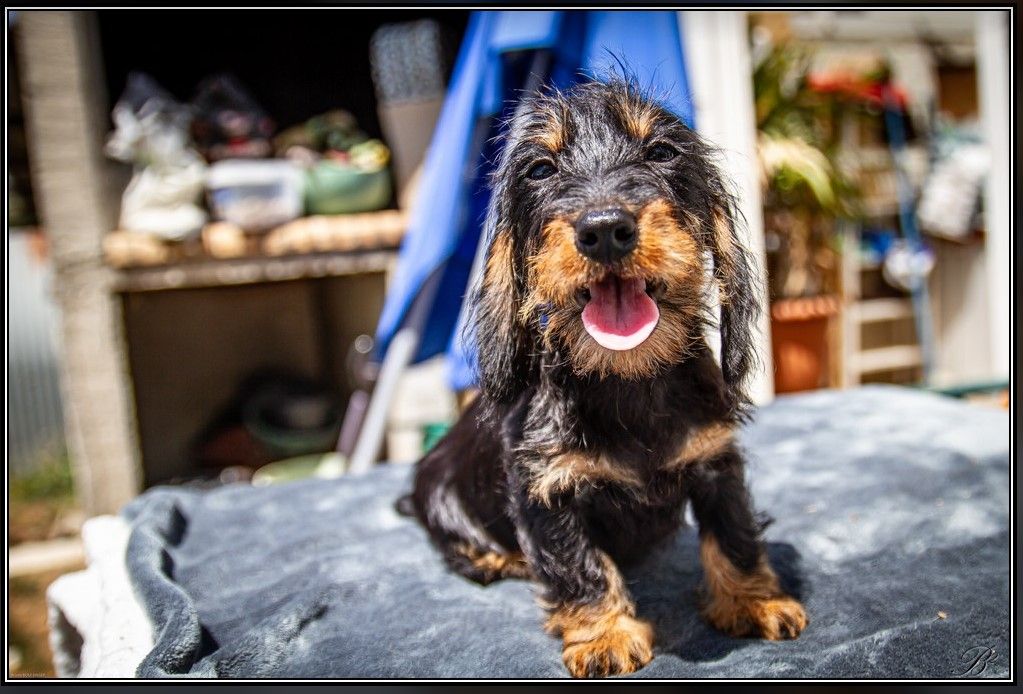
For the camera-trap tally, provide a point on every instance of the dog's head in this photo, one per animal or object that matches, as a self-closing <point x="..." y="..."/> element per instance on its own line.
<point x="604" y="207"/>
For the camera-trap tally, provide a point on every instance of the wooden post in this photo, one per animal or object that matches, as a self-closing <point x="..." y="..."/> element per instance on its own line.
<point x="995" y="92"/>
<point x="77" y="196"/>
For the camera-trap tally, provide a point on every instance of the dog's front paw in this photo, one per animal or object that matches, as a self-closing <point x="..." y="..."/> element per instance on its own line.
<point x="776" y="618"/>
<point x="624" y="646"/>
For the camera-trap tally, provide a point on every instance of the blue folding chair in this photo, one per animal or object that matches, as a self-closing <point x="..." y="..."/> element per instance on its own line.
<point x="504" y="55"/>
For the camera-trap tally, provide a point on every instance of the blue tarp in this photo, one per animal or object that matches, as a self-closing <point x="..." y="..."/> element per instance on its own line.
<point x="494" y="63"/>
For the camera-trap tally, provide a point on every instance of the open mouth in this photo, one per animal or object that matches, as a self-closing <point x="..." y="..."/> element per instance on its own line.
<point x="620" y="313"/>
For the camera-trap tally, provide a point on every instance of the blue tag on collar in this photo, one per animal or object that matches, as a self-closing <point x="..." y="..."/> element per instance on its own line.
<point x="544" y="318"/>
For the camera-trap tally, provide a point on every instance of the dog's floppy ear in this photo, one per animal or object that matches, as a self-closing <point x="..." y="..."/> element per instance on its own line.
<point x="740" y="303"/>
<point x="500" y="338"/>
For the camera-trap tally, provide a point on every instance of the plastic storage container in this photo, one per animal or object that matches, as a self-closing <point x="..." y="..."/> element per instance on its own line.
<point x="341" y="189"/>
<point x="255" y="194"/>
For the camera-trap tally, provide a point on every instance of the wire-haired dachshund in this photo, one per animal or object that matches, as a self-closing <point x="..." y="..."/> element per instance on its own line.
<point x="602" y="410"/>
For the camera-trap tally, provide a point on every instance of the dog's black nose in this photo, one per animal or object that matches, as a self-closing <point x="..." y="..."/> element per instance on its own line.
<point x="606" y="235"/>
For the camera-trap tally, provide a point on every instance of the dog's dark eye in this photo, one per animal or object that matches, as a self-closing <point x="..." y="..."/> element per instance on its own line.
<point x="541" y="170"/>
<point x="661" y="153"/>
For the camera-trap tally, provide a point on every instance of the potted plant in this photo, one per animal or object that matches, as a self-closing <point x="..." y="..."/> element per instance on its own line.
<point x="804" y="194"/>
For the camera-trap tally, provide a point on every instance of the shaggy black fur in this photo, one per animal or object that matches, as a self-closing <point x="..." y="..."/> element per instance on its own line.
<point x="597" y="146"/>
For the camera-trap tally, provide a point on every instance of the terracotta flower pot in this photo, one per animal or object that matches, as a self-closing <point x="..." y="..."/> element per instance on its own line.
<point x="799" y="342"/>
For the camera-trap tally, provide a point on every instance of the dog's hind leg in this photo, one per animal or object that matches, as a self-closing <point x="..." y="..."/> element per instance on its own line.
<point x="486" y="566"/>
<point x="464" y="542"/>
<point x="459" y="497"/>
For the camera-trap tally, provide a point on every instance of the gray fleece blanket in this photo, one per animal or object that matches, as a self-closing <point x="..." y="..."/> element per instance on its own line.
<point x="891" y="510"/>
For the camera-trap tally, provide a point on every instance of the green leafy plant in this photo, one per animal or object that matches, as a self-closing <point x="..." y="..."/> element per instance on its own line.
<point x="804" y="190"/>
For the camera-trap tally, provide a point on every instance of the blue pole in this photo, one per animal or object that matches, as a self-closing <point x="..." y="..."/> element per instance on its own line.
<point x="907" y="222"/>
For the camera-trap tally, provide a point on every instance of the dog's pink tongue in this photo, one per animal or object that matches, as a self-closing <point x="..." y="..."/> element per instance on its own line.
<point x="619" y="314"/>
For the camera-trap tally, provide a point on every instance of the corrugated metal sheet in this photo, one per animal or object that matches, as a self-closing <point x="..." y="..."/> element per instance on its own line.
<point x="35" y="425"/>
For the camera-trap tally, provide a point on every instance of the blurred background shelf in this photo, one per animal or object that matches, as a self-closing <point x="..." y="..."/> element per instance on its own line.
<point x="165" y="334"/>
<point x="890" y="358"/>
<point x="308" y="248"/>
<point x="195" y="274"/>
<point x="879" y="310"/>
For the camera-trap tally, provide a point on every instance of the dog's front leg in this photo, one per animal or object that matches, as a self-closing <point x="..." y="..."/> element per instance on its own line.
<point x="585" y="594"/>
<point x="743" y="597"/>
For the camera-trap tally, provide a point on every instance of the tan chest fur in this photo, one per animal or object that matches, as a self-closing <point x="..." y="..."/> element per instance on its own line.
<point x="570" y="471"/>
